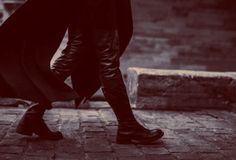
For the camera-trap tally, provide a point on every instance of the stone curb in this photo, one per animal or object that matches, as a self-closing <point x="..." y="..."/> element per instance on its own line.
<point x="181" y="89"/>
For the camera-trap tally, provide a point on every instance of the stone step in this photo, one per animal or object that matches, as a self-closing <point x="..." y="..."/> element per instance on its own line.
<point x="181" y="89"/>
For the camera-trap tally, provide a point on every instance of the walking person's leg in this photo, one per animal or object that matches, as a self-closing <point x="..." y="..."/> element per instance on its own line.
<point x="106" y="40"/>
<point x="66" y="62"/>
<point x="113" y="87"/>
<point x="129" y="130"/>
<point x="32" y="122"/>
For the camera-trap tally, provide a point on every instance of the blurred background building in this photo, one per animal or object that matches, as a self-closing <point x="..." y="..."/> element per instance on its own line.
<point x="175" y="34"/>
<point x="185" y="34"/>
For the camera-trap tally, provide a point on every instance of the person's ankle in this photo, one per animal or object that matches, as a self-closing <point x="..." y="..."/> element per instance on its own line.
<point x="131" y="124"/>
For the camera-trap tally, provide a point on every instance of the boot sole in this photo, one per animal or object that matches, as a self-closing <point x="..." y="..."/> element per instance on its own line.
<point x="130" y="140"/>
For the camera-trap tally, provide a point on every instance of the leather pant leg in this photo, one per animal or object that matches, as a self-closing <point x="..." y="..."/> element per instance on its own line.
<point x="129" y="130"/>
<point x="64" y="66"/>
<point x="106" y="42"/>
<point x="67" y="61"/>
<point x="113" y="87"/>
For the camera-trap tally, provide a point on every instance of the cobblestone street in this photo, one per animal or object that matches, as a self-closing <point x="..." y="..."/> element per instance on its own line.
<point x="193" y="35"/>
<point x="90" y="135"/>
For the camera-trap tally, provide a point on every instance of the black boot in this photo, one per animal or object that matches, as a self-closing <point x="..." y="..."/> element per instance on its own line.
<point x="133" y="132"/>
<point x="32" y="122"/>
<point x="129" y="130"/>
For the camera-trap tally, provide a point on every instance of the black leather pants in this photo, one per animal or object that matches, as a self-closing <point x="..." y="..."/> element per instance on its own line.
<point x="65" y="64"/>
<point x="113" y="87"/>
<point x="111" y="79"/>
<point x="105" y="41"/>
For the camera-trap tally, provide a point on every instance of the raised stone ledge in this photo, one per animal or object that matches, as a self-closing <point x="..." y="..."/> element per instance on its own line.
<point x="181" y="89"/>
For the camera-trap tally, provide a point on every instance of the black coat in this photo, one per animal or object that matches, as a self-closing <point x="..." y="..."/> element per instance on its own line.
<point x="28" y="41"/>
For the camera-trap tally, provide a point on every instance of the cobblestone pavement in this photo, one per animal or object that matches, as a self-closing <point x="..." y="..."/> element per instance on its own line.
<point x="90" y="135"/>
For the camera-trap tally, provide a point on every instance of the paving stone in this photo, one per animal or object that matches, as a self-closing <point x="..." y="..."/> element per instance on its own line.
<point x="63" y="112"/>
<point x="68" y="142"/>
<point x="192" y="139"/>
<point x="99" y="104"/>
<point x="173" y="142"/>
<point x="13" y="142"/>
<point x="128" y="152"/>
<point x="11" y="149"/>
<point x="39" y="152"/>
<point x="37" y="144"/>
<point x="179" y="149"/>
<point x="69" y="128"/>
<point x="204" y="149"/>
<point x="71" y="149"/>
<point x="69" y="156"/>
<point x="157" y="144"/>
<point x="5" y="122"/>
<point x="7" y="117"/>
<point x="41" y="157"/>
<point x="13" y="135"/>
<point x="132" y="158"/>
<point x="100" y="156"/>
<point x="112" y="138"/>
<point x="94" y="135"/>
<point x="187" y="156"/>
<point x="89" y="124"/>
<point x="107" y="115"/>
<point x="157" y="151"/>
<point x="97" y="148"/>
<point x="5" y="156"/>
<point x="97" y="145"/>
<point x="212" y="156"/>
<point x="188" y="136"/>
<point x="111" y="130"/>
<point x="229" y="154"/>
<point x="93" y="129"/>
<point x="4" y="129"/>
<point x="160" y="157"/>
<point x="69" y="146"/>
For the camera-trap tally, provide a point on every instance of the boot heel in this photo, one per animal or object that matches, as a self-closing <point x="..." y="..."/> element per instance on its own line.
<point x="24" y="130"/>
<point x="123" y="139"/>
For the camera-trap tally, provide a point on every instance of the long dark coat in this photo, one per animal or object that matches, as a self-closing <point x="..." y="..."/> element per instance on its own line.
<point x="30" y="38"/>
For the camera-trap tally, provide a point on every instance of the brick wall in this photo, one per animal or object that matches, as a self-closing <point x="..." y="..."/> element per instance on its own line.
<point x="182" y="34"/>
<point x="185" y="34"/>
